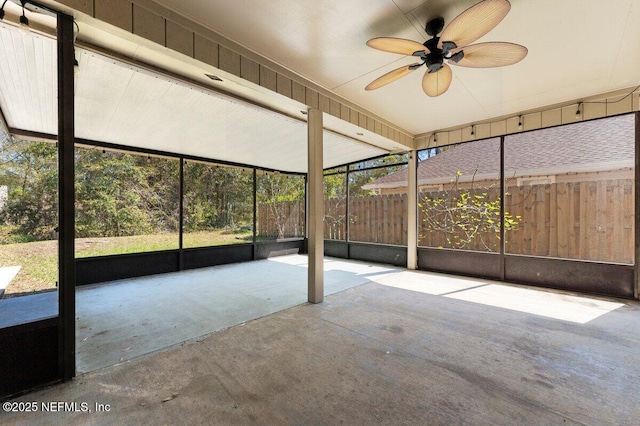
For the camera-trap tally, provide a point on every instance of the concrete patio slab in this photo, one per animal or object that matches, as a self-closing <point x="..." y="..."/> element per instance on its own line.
<point x="121" y="320"/>
<point x="381" y="354"/>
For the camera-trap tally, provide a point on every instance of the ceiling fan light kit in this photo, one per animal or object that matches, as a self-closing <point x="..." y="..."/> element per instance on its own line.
<point x="454" y="46"/>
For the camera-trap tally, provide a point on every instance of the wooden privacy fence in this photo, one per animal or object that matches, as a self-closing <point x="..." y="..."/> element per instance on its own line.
<point x="281" y="220"/>
<point x="590" y="220"/>
<point x="378" y="219"/>
<point x="576" y="220"/>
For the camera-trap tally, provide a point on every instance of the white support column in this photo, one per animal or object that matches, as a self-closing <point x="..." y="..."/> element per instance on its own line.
<point x="412" y="212"/>
<point x="315" y="211"/>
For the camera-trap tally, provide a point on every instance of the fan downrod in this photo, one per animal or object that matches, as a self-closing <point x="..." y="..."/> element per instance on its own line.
<point x="434" y="26"/>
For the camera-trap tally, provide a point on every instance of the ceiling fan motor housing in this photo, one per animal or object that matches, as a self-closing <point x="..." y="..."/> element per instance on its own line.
<point x="435" y="58"/>
<point x="434" y="61"/>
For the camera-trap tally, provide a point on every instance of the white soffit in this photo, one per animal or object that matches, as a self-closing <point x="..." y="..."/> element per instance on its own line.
<point x="28" y="80"/>
<point x="123" y="104"/>
<point x="127" y="105"/>
<point x="134" y="49"/>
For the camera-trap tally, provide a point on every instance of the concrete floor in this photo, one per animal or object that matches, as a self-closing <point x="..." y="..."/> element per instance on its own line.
<point x="124" y="319"/>
<point x="403" y="348"/>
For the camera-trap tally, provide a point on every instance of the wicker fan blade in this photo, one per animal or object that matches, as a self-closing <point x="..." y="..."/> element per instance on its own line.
<point x="436" y="83"/>
<point x="492" y="54"/>
<point x="475" y="22"/>
<point x="390" y="77"/>
<point x="396" y="45"/>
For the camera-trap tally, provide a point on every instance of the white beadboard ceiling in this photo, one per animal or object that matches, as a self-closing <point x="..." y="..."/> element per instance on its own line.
<point x="577" y="48"/>
<point x="124" y="104"/>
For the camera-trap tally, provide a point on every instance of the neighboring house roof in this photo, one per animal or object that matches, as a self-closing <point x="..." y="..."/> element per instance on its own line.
<point x="590" y="146"/>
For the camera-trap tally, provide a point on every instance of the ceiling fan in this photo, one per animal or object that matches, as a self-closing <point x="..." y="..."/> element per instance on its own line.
<point x="454" y="45"/>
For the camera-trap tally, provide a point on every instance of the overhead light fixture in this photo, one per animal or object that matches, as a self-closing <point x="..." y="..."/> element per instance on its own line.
<point x="519" y="122"/>
<point x="2" y="9"/>
<point x="579" y="111"/>
<point x="213" y="77"/>
<point x="24" y="21"/>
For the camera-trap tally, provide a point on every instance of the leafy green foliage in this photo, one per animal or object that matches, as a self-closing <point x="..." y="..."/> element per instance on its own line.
<point x="29" y="170"/>
<point x="122" y="194"/>
<point x="217" y="197"/>
<point x="117" y="194"/>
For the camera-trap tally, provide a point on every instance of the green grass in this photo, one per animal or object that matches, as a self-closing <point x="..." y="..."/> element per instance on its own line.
<point x="39" y="260"/>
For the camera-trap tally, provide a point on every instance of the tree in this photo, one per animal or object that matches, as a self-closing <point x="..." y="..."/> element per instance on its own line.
<point x="335" y="196"/>
<point x="217" y="197"/>
<point x="29" y="170"/>
<point x="283" y="195"/>
<point x="121" y="194"/>
<point x="466" y="218"/>
<point x="368" y="171"/>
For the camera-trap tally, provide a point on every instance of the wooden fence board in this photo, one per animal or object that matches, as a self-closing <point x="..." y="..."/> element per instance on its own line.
<point x="583" y="251"/>
<point x="541" y="243"/>
<point x="562" y="219"/>
<point x="603" y="220"/>
<point x="553" y="220"/>
<point x="629" y="217"/>
<point x="618" y="221"/>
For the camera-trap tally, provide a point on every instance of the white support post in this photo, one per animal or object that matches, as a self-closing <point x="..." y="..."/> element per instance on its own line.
<point x="412" y="212"/>
<point x="315" y="206"/>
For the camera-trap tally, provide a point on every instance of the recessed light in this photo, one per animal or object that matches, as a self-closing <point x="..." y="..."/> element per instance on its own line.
<point x="213" y="77"/>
